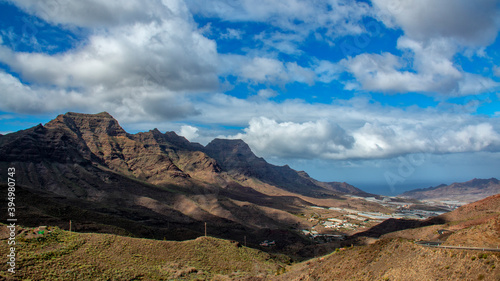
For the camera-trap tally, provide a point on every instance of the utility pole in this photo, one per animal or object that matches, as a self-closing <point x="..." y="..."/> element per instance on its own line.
<point x="205" y="229"/>
<point x="69" y="225"/>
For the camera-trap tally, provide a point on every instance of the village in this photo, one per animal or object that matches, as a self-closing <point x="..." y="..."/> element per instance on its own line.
<point x="334" y="223"/>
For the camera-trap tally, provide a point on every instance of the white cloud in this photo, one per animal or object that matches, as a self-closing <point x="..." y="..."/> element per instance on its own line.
<point x="434" y="32"/>
<point x="169" y="53"/>
<point x="288" y="139"/>
<point x="130" y="104"/>
<point x="265" y="70"/>
<point x="324" y="139"/>
<point x="189" y="132"/>
<point x="352" y="129"/>
<point x="327" y="71"/>
<point x="99" y="14"/>
<point x="21" y="98"/>
<point x="472" y="23"/>
<point x="339" y="17"/>
<point x="431" y="70"/>
<point x="138" y="62"/>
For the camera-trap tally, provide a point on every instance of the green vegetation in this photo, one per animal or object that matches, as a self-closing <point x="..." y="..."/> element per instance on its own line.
<point x="483" y="256"/>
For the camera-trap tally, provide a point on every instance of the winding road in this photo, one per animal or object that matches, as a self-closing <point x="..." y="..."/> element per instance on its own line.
<point x="437" y="244"/>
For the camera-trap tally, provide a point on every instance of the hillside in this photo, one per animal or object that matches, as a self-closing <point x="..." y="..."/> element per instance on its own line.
<point x="468" y="192"/>
<point x="61" y="255"/>
<point x="398" y="260"/>
<point x="395" y="256"/>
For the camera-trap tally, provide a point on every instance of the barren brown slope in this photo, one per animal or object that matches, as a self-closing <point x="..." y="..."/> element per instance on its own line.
<point x="485" y="207"/>
<point x="398" y="260"/>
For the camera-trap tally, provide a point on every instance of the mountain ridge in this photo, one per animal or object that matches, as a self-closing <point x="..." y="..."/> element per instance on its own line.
<point x="469" y="191"/>
<point x="103" y="140"/>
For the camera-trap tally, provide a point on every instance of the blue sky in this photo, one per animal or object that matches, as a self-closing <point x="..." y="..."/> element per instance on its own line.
<point x="387" y="95"/>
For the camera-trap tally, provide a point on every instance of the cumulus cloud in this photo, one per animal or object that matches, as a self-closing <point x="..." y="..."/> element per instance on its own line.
<point x="143" y="102"/>
<point x="137" y="62"/>
<point x="374" y="140"/>
<point x="434" y="32"/>
<point x="21" y="98"/>
<point x="288" y="139"/>
<point x="350" y="129"/>
<point x="169" y="53"/>
<point x="430" y="70"/>
<point x="189" y="132"/>
<point x="471" y="23"/>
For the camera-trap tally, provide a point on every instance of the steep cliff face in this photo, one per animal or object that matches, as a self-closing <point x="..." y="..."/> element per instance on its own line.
<point x="39" y="144"/>
<point x="150" y="156"/>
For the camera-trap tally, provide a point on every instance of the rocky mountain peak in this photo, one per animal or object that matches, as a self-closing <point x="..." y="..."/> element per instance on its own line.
<point x="100" y="123"/>
<point x="230" y="146"/>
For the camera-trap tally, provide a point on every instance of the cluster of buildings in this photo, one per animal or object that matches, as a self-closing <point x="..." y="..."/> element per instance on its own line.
<point x="345" y="219"/>
<point x="338" y="223"/>
<point x="322" y="237"/>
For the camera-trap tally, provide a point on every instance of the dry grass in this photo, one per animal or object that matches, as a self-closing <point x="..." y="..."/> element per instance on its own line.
<point x="61" y="255"/>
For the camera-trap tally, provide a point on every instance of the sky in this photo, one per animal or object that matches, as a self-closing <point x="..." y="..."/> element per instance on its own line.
<point x="387" y="95"/>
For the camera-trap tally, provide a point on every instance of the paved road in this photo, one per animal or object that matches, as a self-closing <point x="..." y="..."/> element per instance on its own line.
<point x="437" y="244"/>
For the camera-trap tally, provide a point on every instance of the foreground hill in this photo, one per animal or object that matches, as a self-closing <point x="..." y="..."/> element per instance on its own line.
<point x="398" y="260"/>
<point x="468" y="192"/>
<point x="61" y="255"/>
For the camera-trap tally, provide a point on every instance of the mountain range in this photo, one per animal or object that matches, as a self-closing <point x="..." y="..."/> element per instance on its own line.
<point x="467" y="192"/>
<point x="88" y="169"/>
